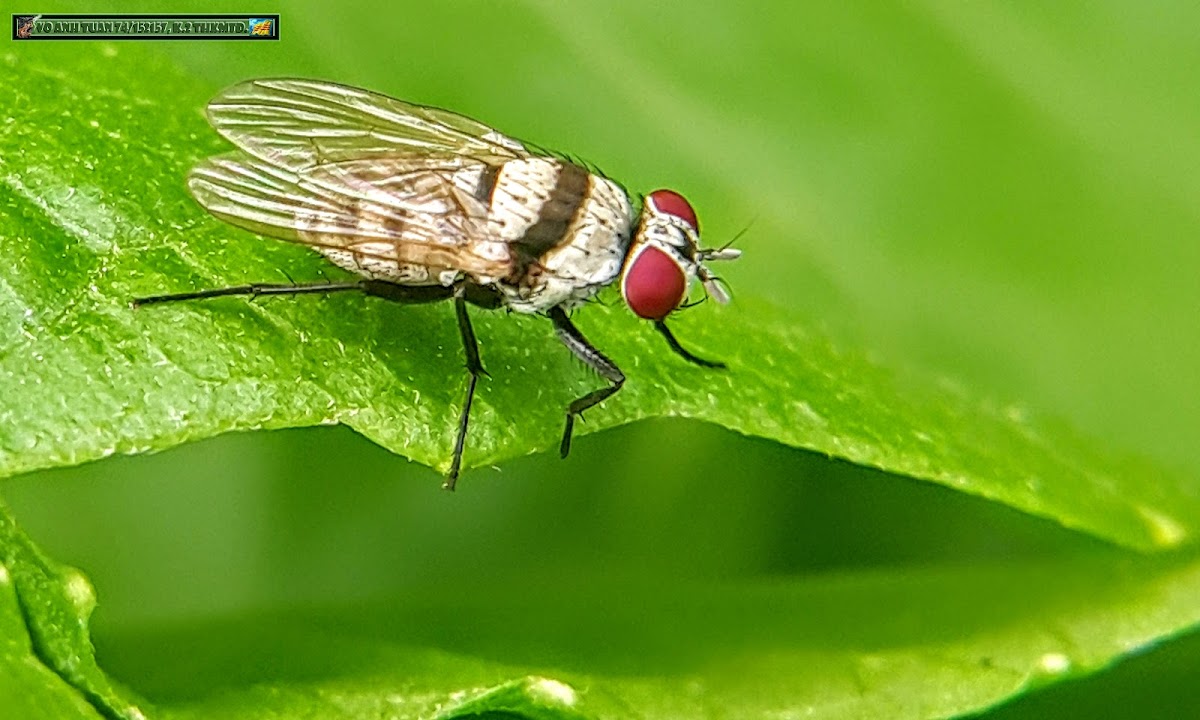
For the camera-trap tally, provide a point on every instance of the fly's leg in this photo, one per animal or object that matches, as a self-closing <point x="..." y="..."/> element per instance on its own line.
<point x="378" y="288"/>
<point x="407" y="294"/>
<point x="254" y="290"/>
<point x="475" y="369"/>
<point x="682" y="351"/>
<point x="388" y="291"/>
<point x="593" y="358"/>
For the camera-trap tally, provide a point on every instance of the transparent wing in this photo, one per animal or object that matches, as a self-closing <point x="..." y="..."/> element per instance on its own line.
<point x="298" y="124"/>
<point x="419" y="211"/>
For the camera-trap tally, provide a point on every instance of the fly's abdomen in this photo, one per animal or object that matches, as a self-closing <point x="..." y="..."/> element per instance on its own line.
<point x="420" y="227"/>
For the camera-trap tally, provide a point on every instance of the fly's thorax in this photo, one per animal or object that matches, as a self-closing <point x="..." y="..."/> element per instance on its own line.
<point x="664" y="258"/>
<point x="519" y="192"/>
<point x="567" y="231"/>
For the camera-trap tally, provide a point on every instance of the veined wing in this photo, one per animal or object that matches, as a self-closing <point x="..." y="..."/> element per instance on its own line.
<point x="407" y="210"/>
<point x="297" y="124"/>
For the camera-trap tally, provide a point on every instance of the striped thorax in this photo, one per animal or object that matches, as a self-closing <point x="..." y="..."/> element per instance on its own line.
<point x="567" y="229"/>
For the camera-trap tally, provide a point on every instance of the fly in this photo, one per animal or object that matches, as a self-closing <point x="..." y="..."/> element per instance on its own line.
<point x="426" y="205"/>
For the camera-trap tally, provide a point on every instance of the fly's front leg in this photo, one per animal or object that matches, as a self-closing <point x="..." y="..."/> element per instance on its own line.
<point x="593" y="358"/>
<point x="682" y="352"/>
<point x="475" y="369"/>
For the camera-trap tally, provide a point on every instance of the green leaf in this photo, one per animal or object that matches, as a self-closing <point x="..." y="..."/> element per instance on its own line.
<point x="47" y="665"/>
<point x="88" y="376"/>
<point x="869" y="644"/>
<point x="487" y="604"/>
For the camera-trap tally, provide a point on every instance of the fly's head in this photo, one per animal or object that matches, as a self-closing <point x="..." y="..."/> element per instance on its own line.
<point x="665" y="257"/>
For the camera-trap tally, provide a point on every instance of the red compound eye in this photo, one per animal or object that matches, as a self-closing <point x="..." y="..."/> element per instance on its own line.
<point x="654" y="285"/>
<point x="670" y="202"/>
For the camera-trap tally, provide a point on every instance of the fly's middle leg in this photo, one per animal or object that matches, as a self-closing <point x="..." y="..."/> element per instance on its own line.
<point x="474" y="370"/>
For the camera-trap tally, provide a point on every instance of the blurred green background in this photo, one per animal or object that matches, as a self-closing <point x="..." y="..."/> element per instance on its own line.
<point x="1004" y="194"/>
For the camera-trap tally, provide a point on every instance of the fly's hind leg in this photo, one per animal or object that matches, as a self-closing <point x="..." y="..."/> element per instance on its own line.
<point x="407" y="294"/>
<point x="378" y="288"/>
<point x="255" y="290"/>
<point x="593" y="358"/>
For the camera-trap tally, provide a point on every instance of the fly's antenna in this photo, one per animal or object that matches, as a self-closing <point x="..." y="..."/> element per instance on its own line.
<point x="721" y="253"/>
<point x="727" y="251"/>
<point x="713" y="285"/>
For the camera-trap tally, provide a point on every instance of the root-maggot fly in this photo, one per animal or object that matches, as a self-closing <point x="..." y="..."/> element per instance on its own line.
<point x="426" y="205"/>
